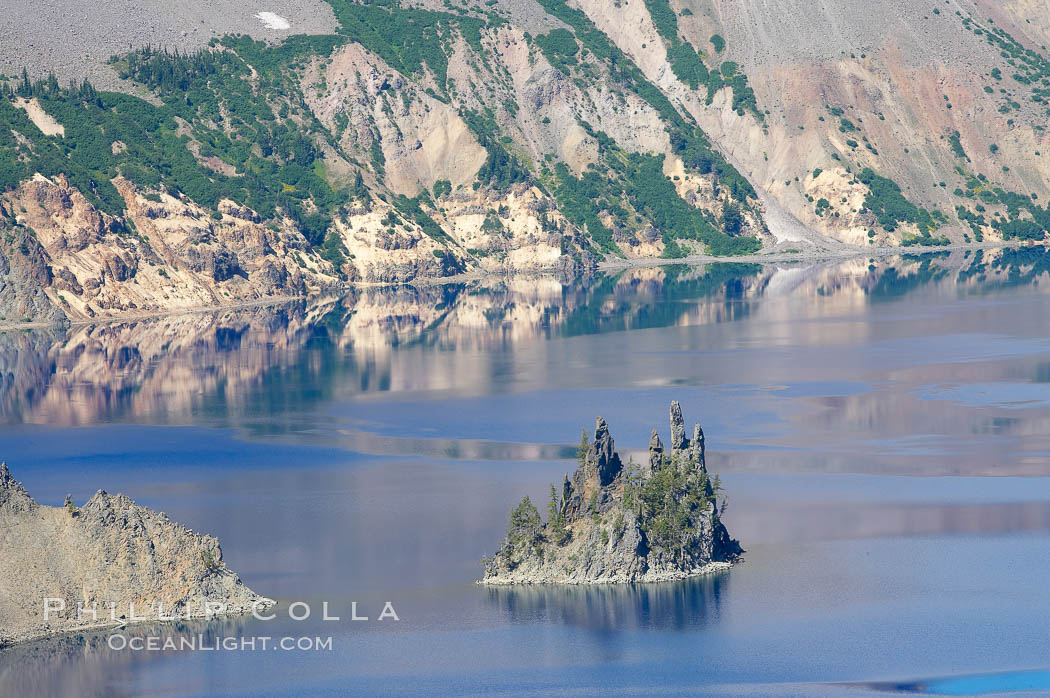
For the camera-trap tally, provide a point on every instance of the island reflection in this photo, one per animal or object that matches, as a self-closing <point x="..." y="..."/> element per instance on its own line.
<point x="612" y="608"/>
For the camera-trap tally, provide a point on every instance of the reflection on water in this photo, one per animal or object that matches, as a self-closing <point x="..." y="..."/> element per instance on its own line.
<point x="829" y="520"/>
<point x="466" y="449"/>
<point x="687" y="605"/>
<point x="252" y="365"/>
<point x="87" y="665"/>
<point x="371" y="446"/>
<point x="265" y="362"/>
<point x="822" y="362"/>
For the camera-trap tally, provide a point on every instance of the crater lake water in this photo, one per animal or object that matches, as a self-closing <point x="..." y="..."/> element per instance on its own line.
<point x="882" y="429"/>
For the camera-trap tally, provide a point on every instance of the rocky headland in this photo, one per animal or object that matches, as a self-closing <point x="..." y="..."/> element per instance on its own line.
<point x="108" y="562"/>
<point x="619" y="523"/>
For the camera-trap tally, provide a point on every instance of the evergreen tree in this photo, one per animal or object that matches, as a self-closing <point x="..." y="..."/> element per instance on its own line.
<point x="673" y="504"/>
<point x="52" y="86"/>
<point x="555" y="519"/>
<point x="526" y="528"/>
<point x="732" y="221"/>
<point x="26" y="88"/>
<point x="581" y="450"/>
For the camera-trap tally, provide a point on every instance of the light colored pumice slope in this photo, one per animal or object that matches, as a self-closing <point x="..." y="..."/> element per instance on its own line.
<point x="107" y="551"/>
<point x="906" y="73"/>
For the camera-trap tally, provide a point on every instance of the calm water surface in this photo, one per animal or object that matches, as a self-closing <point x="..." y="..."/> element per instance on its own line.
<point x="882" y="429"/>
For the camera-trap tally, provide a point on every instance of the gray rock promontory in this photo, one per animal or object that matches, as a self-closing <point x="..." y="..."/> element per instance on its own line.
<point x="105" y="563"/>
<point x="616" y="522"/>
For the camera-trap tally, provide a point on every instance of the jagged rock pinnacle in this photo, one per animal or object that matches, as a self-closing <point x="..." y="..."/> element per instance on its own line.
<point x="698" y="447"/>
<point x="679" y="442"/>
<point x="606" y="460"/>
<point x="13" y="495"/>
<point x="656" y="451"/>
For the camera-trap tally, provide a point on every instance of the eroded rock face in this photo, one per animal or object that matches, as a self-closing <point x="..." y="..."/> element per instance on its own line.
<point x="693" y="448"/>
<point x="612" y="523"/>
<point x="679" y="442"/>
<point x="656" y="451"/>
<point x="606" y="460"/>
<point x="108" y="553"/>
<point x="164" y="253"/>
<point x="13" y="497"/>
<point x="24" y="277"/>
<point x="697" y="446"/>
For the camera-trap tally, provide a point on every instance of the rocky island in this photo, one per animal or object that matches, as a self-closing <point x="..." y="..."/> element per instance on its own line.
<point x="614" y="522"/>
<point x="106" y="563"/>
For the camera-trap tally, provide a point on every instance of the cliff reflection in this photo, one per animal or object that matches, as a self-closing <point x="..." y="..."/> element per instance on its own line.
<point x="86" y="665"/>
<point x="607" y="608"/>
<point x="247" y="364"/>
<point x="262" y="366"/>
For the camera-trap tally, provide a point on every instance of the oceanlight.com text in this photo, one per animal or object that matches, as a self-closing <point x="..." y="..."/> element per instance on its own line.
<point x="199" y="643"/>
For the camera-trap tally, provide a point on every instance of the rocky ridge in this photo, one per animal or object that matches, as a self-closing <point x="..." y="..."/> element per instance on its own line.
<point x="617" y="523"/>
<point x="110" y="554"/>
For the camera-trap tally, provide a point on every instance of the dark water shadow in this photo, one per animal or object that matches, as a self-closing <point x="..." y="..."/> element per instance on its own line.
<point x="970" y="684"/>
<point x="615" y="608"/>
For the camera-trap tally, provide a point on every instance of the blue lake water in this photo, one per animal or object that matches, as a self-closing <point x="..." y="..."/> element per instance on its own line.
<point x="882" y="429"/>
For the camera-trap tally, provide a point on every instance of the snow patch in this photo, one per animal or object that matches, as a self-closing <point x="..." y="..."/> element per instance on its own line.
<point x="273" y="21"/>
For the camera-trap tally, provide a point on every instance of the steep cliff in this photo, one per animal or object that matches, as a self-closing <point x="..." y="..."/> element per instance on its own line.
<point x="617" y="522"/>
<point x="163" y="253"/>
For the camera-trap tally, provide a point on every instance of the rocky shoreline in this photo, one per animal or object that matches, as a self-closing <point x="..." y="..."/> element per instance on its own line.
<point x="617" y="523"/>
<point x="773" y="256"/>
<point x="646" y="578"/>
<point x="106" y="563"/>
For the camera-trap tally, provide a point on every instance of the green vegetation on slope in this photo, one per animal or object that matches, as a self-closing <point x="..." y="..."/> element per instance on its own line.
<point x="891" y="208"/>
<point x="688" y="141"/>
<point x="1031" y="68"/>
<point x="559" y="47"/>
<point x="689" y="66"/>
<point x="407" y="38"/>
<point x="674" y="503"/>
<point x="232" y="123"/>
<point x="501" y="168"/>
<point x="636" y="181"/>
<point x="211" y="101"/>
<point x="1020" y="217"/>
<point x="956" y="144"/>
